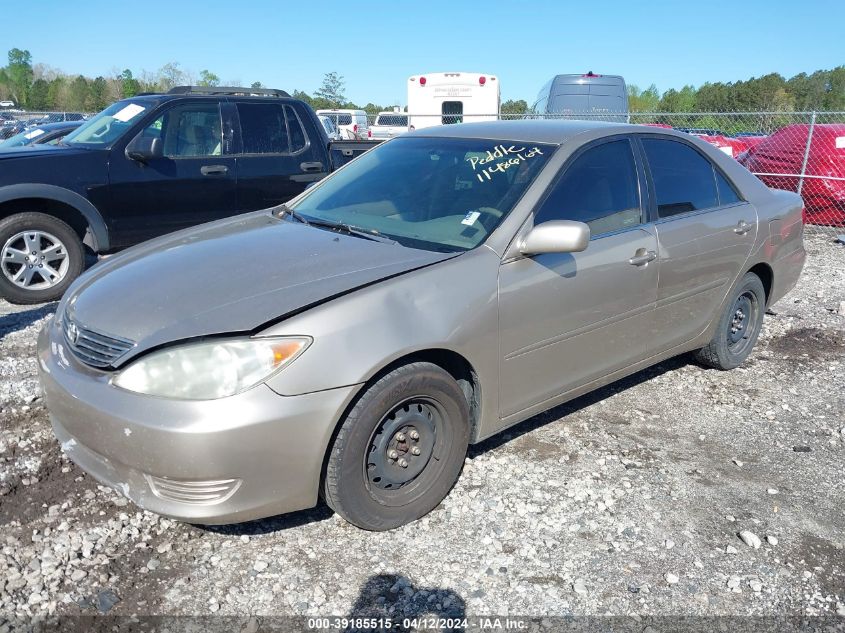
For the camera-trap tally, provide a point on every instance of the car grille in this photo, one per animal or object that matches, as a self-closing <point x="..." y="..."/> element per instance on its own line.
<point x="94" y="348"/>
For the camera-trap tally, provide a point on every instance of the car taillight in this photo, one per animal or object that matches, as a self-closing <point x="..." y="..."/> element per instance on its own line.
<point x="369" y="134"/>
<point x="355" y="128"/>
<point x="482" y="80"/>
<point x="422" y="81"/>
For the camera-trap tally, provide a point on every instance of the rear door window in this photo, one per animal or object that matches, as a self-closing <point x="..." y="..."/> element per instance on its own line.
<point x="271" y="128"/>
<point x="599" y="188"/>
<point x="683" y="178"/>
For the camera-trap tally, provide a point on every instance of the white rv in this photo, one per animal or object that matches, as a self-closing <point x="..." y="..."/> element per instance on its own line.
<point x="445" y="98"/>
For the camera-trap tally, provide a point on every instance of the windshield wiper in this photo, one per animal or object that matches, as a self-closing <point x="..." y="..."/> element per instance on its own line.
<point x="348" y="229"/>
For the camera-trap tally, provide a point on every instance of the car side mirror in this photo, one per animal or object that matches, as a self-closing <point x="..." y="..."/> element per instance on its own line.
<point x="144" y="148"/>
<point x="556" y="236"/>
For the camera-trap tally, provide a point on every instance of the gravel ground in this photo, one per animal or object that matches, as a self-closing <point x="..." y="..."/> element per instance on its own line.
<point x="679" y="490"/>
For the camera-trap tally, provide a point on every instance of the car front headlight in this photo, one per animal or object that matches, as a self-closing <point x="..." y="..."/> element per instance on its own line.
<point x="211" y="369"/>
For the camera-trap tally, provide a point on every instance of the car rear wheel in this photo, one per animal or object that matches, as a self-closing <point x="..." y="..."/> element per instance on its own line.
<point x="40" y="256"/>
<point x="739" y="326"/>
<point x="400" y="449"/>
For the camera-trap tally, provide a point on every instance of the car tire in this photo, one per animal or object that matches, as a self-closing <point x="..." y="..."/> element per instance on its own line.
<point x="399" y="450"/>
<point x="37" y="237"/>
<point x="738" y="327"/>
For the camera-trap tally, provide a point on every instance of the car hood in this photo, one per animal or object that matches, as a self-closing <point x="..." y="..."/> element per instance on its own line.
<point x="232" y="276"/>
<point x="29" y="151"/>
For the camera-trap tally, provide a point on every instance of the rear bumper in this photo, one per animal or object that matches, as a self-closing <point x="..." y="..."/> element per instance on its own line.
<point x="248" y="456"/>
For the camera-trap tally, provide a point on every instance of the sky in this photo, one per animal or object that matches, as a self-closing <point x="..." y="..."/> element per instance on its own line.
<point x="376" y="46"/>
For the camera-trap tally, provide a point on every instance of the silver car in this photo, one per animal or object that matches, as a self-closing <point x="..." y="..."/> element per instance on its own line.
<point x="440" y="288"/>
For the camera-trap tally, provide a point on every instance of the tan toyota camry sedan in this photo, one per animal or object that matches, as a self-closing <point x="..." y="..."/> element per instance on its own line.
<point x="440" y="288"/>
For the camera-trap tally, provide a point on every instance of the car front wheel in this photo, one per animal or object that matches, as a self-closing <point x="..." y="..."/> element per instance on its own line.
<point x="40" y="256"/>
<point x="399" y="450"/>
<point x="739" y="326"/>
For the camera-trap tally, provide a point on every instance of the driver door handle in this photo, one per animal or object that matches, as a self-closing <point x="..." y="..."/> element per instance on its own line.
<point x="214" y="170"/>
<point x="642" y="257"/>
<point x="743" y="227"/>
<point x="315" y="166"/>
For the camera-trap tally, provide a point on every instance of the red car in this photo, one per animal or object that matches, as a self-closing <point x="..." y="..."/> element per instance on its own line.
<point x="824" y="183"/>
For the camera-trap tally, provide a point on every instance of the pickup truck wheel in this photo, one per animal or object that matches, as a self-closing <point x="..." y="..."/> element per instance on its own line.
<point x="738" y="328"/>
<point x="40" y="256"/>
<point x="399" y="450"/>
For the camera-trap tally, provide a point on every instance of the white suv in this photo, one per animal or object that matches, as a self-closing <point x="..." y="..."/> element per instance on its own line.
<point x="352" y="124"/>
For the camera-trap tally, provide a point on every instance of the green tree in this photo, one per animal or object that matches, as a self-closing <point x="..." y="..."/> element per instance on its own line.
<point x="834" y="97"/>
<point x="129" y="86"/>
<point x="56" y="94"/>
<point x="39" y="95"/>
<point x="332" y="90"/>
<point x="514" y="107"/>
<point x="97" y="94"/>
<point x="256" y="85"/>
<point x="643" y="100"/>
<point x="78" y="94"/>
<point x="18" y="75"/>
<point x="372" y="108"/>
<point x="208" y="78"/>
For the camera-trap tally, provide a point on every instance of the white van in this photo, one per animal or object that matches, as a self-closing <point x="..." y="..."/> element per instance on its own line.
<point x="445" y="98"/>
<point x="351" y="124"/>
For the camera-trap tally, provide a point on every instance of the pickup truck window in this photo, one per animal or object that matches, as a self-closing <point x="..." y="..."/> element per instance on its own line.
<point x="109" y="125"/>
<point x="270" y="128"/>
<point x="395" y="120"/>
<point x="438" y="194"/>
<point x="189" y="130"/>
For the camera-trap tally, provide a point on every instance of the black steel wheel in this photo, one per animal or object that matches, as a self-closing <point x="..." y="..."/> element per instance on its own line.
<point x="739" y="326"/>
<point x="399" y="450"/>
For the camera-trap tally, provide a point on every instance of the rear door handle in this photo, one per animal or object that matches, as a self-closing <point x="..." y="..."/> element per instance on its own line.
<point x="316" y="166"/>
<point x="642" y="257"/>
<point x="743" y="227"/>
<point x="214" y="170"/>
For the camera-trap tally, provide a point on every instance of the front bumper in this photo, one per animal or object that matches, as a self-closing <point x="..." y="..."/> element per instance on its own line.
<point x="235" y="459"/>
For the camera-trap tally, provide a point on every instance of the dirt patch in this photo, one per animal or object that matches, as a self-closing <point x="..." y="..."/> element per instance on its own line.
<point x="809" y="343"/>
<point x="825" y="558"/>
<point x="26" y="503"/>
<point x="532" y="447"/>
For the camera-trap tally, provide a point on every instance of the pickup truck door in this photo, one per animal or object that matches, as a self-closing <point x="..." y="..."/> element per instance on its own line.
<point x="277" y="158"/>
<point x="193" y="182"/>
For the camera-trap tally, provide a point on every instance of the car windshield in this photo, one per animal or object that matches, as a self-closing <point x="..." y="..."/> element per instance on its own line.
<point x="23" y="138"/>
<point x="439" y="194"/>
<point x="106" y="127"/>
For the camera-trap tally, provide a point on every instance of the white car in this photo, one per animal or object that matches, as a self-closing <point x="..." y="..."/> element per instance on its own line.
<point x="389" y="124"/>
<point x="352" y="124"/>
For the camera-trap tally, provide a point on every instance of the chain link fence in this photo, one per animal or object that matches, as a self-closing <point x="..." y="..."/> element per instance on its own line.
<point x="797" y="151"/>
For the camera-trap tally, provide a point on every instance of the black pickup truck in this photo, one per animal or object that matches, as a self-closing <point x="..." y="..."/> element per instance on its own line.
<point x="149" y="165"/>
